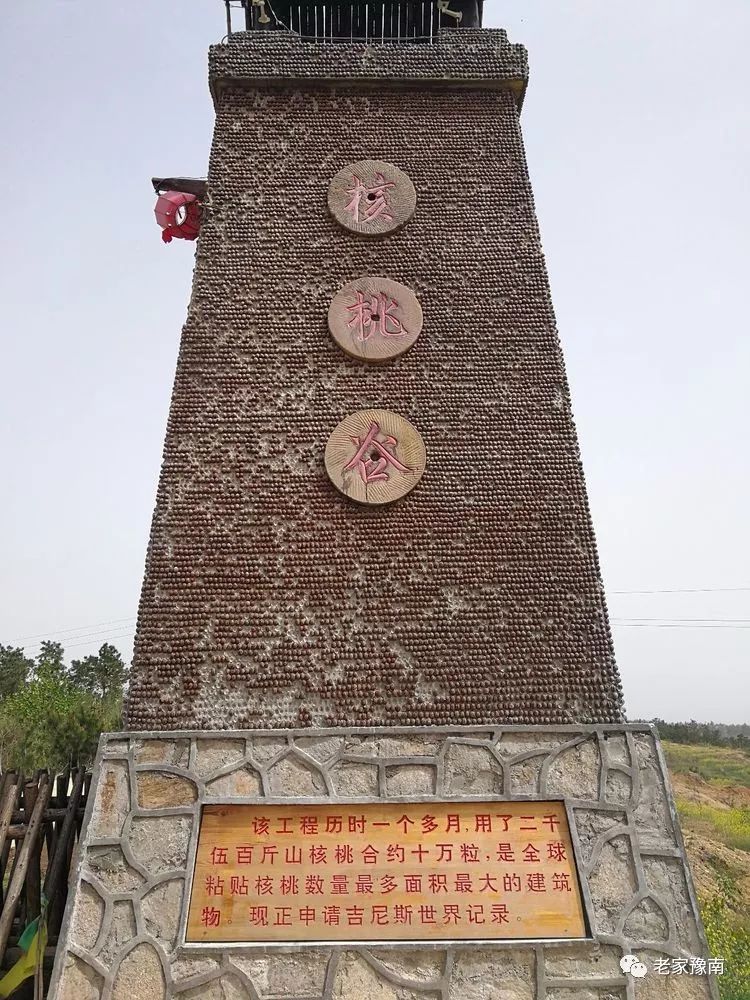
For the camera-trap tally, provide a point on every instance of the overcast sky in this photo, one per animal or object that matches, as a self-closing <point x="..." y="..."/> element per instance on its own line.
<point x="636" y="127"/>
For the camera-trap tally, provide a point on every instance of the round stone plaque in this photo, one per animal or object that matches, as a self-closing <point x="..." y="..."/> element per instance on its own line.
<point x="375" y="319"/>
<point x="372" y="197"/>
<point x="375" y="456"/>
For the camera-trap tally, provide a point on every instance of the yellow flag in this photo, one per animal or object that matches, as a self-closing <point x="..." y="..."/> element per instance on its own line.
<point x="33" y="941"/>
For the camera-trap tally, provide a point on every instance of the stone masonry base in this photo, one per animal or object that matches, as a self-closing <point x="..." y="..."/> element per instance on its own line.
<point x="125" y="915"/>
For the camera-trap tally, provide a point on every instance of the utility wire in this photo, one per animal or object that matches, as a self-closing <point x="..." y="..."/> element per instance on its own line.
<point x="681" y="621"/>
<point x="76" y="640"/>
<point x="697" y="590"/>
<point x="73" y="628"/>
<point x="738" y="628"/>
<point x="102" y="630"/>
<point x="737" y="624"/>
<point x="87" y="642"/>
<point x="84" y="636"/>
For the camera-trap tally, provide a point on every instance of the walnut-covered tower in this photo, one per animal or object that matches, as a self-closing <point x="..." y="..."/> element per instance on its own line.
<point x="369" y="246"/>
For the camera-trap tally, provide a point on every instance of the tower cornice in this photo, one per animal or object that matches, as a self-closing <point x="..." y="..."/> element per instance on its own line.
<point x="470" y="57"/>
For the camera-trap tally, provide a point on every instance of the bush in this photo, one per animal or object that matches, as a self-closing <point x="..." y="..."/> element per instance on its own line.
<point x="728" y="941"/>
<point x="730" y="826"/>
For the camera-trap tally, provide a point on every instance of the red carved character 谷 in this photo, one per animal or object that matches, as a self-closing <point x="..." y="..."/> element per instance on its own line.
<point x="373" y="456"/>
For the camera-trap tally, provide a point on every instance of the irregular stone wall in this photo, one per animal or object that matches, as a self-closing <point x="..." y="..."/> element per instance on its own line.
<point x="126" y="910"/>
<point x="272" y="601"/>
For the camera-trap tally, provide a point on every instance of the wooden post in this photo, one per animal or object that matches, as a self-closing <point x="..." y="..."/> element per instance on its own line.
<point x="33" y="870"/>
<point x="58" y="798"/>
<point x="22" y="862"/>
<point x="7" y="805"/>
<point x="5" y="847"/>
<point x="54" y="883"/>
<point x="56" y="900"/>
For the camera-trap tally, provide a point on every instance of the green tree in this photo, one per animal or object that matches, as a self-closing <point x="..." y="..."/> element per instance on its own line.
<point x="103" y="675"/>
<point x="15" y="669"/>
<point x="57" y="716"/>
<point x="50" y="661"/>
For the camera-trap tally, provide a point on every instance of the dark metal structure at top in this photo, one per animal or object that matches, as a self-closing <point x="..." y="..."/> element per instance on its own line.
<point x="360" y="21"/>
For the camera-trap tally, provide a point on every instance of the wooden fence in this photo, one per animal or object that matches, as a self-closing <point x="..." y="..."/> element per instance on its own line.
<point x="40" y="821"/>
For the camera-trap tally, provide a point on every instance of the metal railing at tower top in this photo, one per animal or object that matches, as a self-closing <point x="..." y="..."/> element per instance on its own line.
<point x="363" y="20"/>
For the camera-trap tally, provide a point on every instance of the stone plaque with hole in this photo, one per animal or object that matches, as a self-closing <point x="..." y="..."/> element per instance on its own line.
<point x="375" y="456"/>
<point x="372" y="198"/>
<point x="375" y="319"/>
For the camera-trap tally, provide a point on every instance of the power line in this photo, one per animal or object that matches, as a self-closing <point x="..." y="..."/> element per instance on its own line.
<point x="121" y="635"/>
<point x="92" y="637"/>
<point x="72" y="628"/>
<point x="738" y="628"/>
<point x="663" y="618"/>
<point x="83" y="641"/>
<point x="697" y="590"/>
<point x="101" y="630"/>
<point x="85" y="636"/>
<point x="87" y="642"/>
